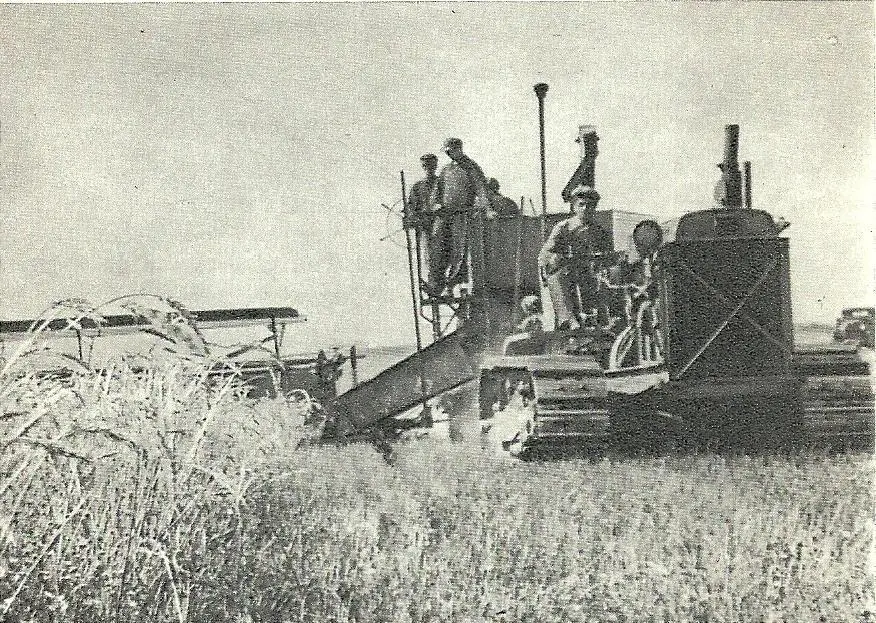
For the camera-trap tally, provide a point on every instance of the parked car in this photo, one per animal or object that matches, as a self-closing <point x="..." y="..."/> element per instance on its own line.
<point x="856" y="324"/>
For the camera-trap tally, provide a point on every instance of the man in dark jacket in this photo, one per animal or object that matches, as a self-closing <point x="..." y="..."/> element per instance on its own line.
<point x="460" y="190"/>
<point x="567" y="260"/>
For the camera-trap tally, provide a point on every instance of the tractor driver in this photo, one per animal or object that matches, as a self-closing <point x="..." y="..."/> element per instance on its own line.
<point x="567" y="260"/>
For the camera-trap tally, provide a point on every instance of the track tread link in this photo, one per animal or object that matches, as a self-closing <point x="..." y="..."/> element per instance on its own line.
<point x="576" y="404"/>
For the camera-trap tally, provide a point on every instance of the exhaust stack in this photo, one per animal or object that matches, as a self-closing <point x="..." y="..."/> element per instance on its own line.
<point x="731" y="177"/>
<point x="585" y="174"/>
<point x="587" y="138"/>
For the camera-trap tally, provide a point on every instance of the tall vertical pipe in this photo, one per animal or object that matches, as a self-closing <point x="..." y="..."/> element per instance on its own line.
<point x="541" y="90"/>
<point x="426" y="414"/>
<point x="731" y="144"/>
<point x="746" y="172"/>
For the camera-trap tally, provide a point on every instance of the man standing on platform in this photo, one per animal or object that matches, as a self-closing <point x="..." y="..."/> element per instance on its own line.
<point x="460" y="190"/>
<point x="419" y="215"/>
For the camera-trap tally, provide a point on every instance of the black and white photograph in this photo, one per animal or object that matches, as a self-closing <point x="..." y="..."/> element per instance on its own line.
<point x="437" y="312"/>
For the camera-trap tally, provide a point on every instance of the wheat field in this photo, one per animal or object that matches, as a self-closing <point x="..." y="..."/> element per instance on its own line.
<point x="155" y="493"/>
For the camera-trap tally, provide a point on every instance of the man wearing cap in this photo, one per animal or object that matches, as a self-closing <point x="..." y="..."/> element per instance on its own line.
<point x="460" y="189"/>
<point x="419" y="214"/>
<point x="566" y="260"/>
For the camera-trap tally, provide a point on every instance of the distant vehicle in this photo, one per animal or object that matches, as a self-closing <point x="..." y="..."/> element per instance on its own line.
<point x="856" y="324"/>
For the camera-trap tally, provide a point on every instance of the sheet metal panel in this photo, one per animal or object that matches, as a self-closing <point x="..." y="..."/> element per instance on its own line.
<point x="445" y="364"/>
<point x="620" y="225"/>
<point x="500" y="250"/>
<point x="702" y="284"/>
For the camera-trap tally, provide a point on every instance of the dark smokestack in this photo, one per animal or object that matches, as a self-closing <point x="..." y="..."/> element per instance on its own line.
<point x="731" y="176"/>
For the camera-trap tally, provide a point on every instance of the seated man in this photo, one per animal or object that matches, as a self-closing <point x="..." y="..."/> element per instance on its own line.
<point x="568" y="261"/>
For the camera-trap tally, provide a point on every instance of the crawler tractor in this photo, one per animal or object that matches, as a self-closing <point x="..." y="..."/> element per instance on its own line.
<point x="692" y="340"/>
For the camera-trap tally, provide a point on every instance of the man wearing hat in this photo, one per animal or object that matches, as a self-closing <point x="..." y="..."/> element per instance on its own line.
<point x="566" y="260"/>
<point x="460" y="189"/>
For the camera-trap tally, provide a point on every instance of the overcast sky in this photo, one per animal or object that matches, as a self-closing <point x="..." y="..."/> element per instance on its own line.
<point x="238" y="155"/>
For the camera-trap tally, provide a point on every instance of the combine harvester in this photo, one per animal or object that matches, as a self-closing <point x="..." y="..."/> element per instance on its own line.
<point x="265" y="376"/>
<point x="700" y="351"/>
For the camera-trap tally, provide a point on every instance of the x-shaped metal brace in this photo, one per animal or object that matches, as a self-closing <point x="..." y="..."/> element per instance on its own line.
<point x="735" y="311"/>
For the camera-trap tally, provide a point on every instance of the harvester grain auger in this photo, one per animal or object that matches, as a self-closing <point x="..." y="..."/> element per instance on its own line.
<point x="693" y="341"/>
